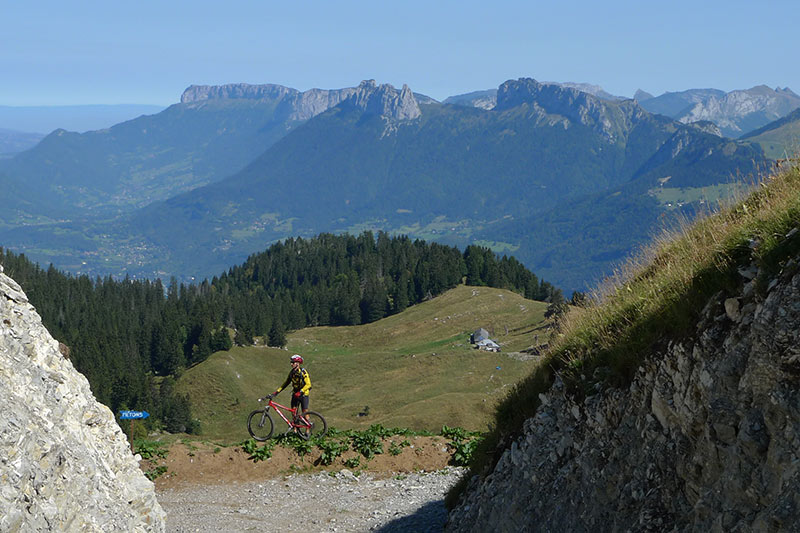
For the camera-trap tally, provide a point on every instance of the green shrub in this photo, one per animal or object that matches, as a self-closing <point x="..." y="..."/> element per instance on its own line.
<point x="257" y="453"/>
<point x="155" y="472"/>
<point x="331" y="449"/>
<point x="149" y="448"/>
<point x="367" y="444"/>
<point x="464" y="451"/>
<point x="396" y="448"/>
<point x="353" y="462"/>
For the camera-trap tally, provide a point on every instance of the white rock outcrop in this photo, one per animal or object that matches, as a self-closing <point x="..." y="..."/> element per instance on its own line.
<point x="65" y="465"/>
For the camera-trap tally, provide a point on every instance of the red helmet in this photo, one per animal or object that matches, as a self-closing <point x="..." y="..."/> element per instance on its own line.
<point x="296" y="359"/>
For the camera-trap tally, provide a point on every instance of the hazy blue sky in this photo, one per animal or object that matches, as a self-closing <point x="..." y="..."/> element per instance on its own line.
<point x="82" y="52"/>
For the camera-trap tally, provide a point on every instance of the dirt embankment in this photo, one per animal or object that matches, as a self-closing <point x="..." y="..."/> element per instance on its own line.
<point x="204" y="463"/>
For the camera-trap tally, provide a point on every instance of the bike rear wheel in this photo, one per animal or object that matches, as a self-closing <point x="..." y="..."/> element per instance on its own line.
<point x="316" y="427"/>
<point x="260" y="425"/>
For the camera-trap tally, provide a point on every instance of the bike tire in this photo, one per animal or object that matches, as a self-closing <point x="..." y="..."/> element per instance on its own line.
<point x="319" y="427"/>
<point x="260" y="425"/>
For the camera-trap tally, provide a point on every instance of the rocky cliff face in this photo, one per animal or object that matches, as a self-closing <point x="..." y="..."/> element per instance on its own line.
<point x="706" y="438"/>
<point x="610" y="119"/>
<point x="202" y="93"/>
<point x="64" y="463"/>
<point x="383" y="99"/>
<point x="739" y="112"/>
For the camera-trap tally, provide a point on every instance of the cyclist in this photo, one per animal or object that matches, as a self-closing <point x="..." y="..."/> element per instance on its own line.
<point x="301" y="383"/>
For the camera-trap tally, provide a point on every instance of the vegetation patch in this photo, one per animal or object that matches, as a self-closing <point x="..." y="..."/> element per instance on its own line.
<point x="150" y="449"/>
<point x="657" y="296"/>
<point x="457" y="386"/>
<point x="258" y="453"/>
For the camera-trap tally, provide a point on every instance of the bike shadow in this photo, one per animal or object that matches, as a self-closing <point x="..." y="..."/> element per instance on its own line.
<point x="429" y="518"/>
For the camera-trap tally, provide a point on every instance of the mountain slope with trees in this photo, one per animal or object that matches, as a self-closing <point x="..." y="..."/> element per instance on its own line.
<point x="380" y="160"/>
<point x="212" y="133"/>
<point x="132" y="338"/>
<point x="541" y="149"/>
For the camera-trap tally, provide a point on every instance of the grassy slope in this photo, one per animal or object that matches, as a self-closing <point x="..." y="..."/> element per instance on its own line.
<point x="780" y="139"/>
<point x="782" y="142"/>
<point x="414" y="370"/>
<point x="659" y="296"/>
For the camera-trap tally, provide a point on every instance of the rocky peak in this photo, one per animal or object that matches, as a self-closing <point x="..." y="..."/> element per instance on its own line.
<point x="202" y="93"/>
<point x="384" y="100"/>
<point x="706" y="126"/>
<point x="571" y="103"/>
<point x="741" y="111"/>
<point x="480" y="99"/>
<point x="65" y="465"/>
<point x="594" y="90"/>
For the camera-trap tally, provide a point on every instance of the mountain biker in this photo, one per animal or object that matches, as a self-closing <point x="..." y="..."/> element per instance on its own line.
<point x="301" y="383"/>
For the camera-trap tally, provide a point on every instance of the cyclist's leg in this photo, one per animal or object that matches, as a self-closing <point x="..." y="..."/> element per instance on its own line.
<point x="302" y="420"/>
<point x="296" y="406"/>
<point x="304" y="403"/>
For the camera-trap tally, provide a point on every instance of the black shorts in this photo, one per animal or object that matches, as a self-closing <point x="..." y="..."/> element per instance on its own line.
<point x="302" y="401"/>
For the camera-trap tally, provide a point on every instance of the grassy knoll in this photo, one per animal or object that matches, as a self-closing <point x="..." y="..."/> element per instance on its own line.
<point x="658" y="296"/>
<point x="415" y="369"/>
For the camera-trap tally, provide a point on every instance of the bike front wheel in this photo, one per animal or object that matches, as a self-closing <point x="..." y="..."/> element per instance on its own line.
<point x="260" y="425"/>
<point x="315" y="426"/>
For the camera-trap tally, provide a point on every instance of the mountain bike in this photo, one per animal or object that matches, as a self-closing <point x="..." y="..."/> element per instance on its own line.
<point x="261" y="426"/>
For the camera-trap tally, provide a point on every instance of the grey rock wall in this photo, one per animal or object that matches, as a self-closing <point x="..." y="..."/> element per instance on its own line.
<point x="706" y="438"/>
<point x="64" y="463"/>
<point x="610" y="119"/>
<point x="383" y="100"/>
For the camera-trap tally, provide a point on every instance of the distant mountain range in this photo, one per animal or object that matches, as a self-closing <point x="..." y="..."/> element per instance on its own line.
<point x="214" y="132"/>
<point x="566" y="181"/>
<point x="735" y="113"/>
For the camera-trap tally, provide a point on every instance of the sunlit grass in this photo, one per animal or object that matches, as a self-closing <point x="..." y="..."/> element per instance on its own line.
<point x="415" y="369"/>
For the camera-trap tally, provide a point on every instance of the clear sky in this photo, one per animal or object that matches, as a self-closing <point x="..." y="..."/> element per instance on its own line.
<point x="148" y="52"/>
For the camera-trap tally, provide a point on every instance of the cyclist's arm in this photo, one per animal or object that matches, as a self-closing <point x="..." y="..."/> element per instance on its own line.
<point x="306" y="383"/>
<point x="285" y="384"/>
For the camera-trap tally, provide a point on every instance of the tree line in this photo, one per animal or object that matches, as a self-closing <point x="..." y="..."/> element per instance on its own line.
<point x="132" y="338"/>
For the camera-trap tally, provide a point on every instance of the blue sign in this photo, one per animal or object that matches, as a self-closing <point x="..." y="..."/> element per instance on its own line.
<point x="130" y="415"/>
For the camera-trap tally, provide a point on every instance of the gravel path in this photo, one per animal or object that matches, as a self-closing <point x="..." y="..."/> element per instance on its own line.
<point x="314" y="502"/>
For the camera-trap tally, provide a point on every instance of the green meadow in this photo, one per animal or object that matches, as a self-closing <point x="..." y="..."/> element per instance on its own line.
<point x="415" y="370"/>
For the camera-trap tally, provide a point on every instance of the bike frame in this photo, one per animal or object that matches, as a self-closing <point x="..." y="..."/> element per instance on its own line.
<point x="303" y="422"/>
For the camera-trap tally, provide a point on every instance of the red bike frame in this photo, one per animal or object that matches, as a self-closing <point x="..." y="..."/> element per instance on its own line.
<point x="302" y="422"/>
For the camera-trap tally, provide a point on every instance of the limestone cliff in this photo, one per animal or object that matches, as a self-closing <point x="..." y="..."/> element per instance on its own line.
<point x="64" y="463"/>
<point x="611" y="119"/>
<point x="292" y="104"/>
<point x="706" y="438"/>
<point x="739" y="112"/>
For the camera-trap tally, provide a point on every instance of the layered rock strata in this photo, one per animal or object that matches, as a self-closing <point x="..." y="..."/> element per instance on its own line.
<point x="706" y="438"/>
<point x="65" y="465"/>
